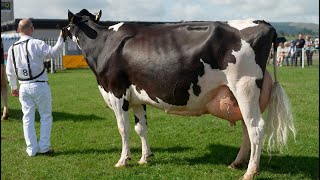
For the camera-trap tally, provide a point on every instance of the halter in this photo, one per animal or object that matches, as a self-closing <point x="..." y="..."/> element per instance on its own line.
<point x="66" y="32"/>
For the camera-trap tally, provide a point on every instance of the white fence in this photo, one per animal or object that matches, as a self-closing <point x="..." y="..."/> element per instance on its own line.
<point x="56" y="63"/>
<point x="315" y="56"/>
<point x="302" y="63"/>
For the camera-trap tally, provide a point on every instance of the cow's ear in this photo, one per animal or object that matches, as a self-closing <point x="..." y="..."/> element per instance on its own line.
<point x="98" y="15"/>
<point x="70" y="16"/>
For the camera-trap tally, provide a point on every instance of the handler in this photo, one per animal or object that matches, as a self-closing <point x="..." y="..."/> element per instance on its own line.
<point x="25" y="64"/>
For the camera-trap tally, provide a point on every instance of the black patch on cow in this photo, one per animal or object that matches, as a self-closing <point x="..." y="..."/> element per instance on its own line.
<point x="260" y="42"/>
<point x="145" y="116"/>
<point x="85" y="12"/>
<point x="224" y="40"/>
<point x="125" y="105"/>
<point x="259" y="83"/>
<point x="136" y="119"/>
<point x="88" y="31"/>
<point x="197" y="28"/>
<point x="138" y="89"/>
<point x="165" y="65"/>
<point x="196" y="89"/>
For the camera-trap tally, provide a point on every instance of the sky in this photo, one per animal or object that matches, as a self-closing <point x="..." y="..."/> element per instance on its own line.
<point x="174" y="10"/>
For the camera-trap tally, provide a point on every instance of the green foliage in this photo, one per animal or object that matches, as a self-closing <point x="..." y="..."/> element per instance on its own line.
<point x="87" y="143"/>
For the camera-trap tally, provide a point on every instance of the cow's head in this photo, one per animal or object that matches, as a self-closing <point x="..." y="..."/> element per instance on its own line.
<point x="80" y="22"/>
<point x="94" y="18"/>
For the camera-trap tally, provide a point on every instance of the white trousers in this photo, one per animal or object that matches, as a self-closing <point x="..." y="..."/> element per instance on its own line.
<point x="32" y="96"/>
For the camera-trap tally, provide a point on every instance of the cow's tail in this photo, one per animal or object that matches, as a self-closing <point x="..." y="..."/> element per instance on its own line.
<point x="280" y="119"/>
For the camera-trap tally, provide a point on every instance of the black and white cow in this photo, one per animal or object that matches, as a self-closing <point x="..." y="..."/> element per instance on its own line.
<point x="186" y="68"/>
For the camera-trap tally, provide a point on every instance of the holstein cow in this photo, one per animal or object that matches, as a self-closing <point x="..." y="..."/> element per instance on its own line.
<point x="4" y="87"/>
<point x="187" y="68"/>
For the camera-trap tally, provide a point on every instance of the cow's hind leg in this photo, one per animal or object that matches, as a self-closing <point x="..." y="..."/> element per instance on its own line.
<point x="247" y="95"/>
<point x="242" y="157"/>
<point x="120" y="108"/>
<point x="141" y="127"/>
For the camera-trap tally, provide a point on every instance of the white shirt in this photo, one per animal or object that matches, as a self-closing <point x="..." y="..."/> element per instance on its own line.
<point x="38" y="51"/>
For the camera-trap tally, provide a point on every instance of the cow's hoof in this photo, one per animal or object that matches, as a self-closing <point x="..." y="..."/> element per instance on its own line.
<point x="122" y="163"/>
<point x="247" y="176"/>
<point x="145" y="160"/>
<point x="5" y="117"/>
<point x="234" y="165"/>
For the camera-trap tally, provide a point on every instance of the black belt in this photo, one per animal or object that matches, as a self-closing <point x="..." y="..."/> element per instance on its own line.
<point x="40" y="81"/>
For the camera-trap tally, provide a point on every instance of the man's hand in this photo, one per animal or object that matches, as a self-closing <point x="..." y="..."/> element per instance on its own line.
<point x="15" y="92"/>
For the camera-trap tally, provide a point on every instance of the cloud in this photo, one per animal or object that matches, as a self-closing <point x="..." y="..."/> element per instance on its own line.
<point x="182" y="11"/>
<point x="167" y="10"/>
<point x="134" y="10"/>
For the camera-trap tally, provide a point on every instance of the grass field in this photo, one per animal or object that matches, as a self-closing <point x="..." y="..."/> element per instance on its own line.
<point x="87" y="143"/>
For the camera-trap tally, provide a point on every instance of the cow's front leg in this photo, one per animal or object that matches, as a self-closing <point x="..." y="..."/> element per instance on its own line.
<point x="241" y="160"/>
<point x="120" y="107"/>
<point x="141" y="127"/>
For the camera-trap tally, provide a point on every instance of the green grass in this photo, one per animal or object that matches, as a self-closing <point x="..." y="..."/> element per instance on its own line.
<point x="87" y="143"/>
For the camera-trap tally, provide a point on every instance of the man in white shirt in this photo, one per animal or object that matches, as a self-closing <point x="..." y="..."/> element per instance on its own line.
<point x="25" y="64"/>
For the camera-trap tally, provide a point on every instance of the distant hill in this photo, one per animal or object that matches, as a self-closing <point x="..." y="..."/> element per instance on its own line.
<point x="293" y="29"/>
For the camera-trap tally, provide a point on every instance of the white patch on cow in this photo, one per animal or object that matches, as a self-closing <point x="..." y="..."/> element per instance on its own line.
<point x="116" y="26"/>
<point x="242" y="24"/>
<point x="244" y="72"/>
<point x="105" y="95"/>
<point x="211" y="79"/>
<point x="245" y="64"/>
<point x="76" y="40"/>
<point x="142" y="97"/>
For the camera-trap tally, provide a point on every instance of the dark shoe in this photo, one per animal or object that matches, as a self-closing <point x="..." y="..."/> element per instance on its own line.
<point x="48" y="153"/>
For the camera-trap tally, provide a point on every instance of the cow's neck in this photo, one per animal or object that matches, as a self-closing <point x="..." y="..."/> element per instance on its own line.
<point x="91" y="48"/>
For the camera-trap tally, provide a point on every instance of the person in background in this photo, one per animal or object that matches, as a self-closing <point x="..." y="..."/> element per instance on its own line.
<point x="309" y="47"/>
<point x="298" y="53"/>
<point x="316" y="44"/>
<point x="25" y="64"/>
<point x="270" y="54"/>
<point x="281" y="53"/>
<point x="290" y="54"/>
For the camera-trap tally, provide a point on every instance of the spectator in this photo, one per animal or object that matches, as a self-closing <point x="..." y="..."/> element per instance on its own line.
<point x="298" y="53"/>
<point x="270" y="54"/>
<point x="290" y="54"/>
<point x="316" y="44"/>
<point x="309" y="47"/>
<point x="281" y="53"/>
